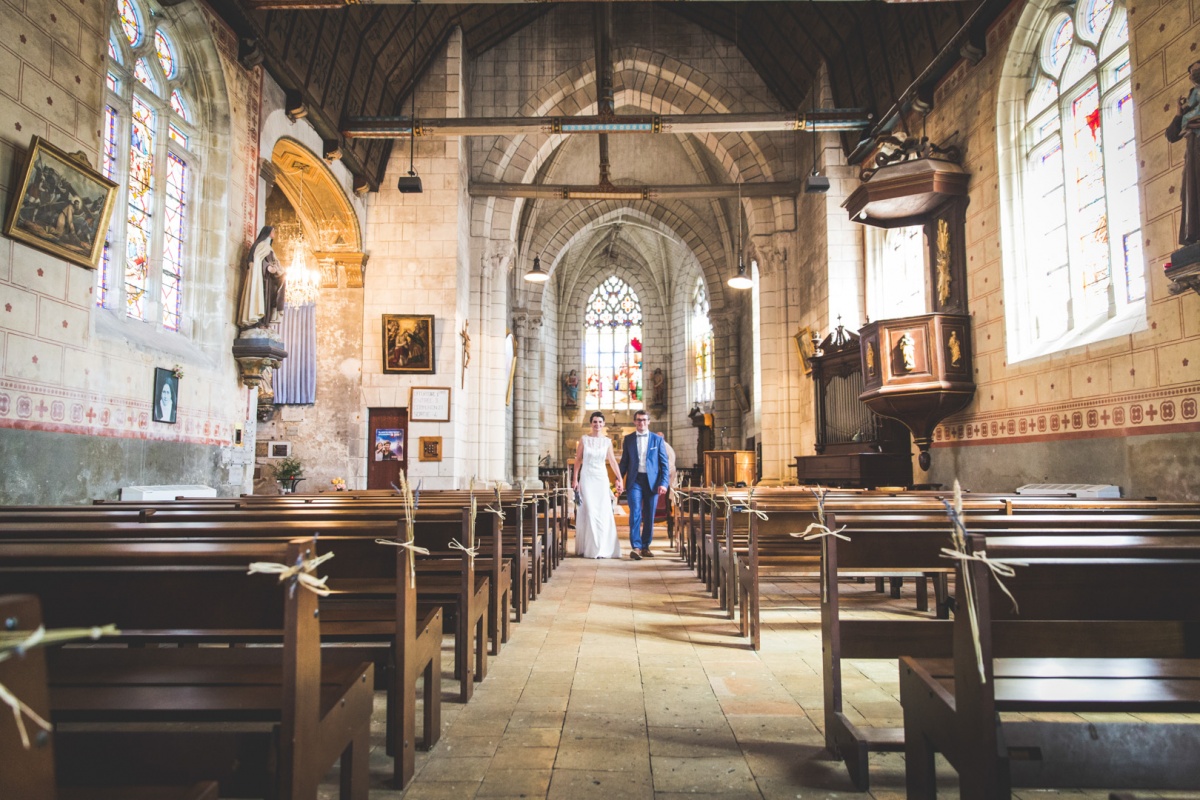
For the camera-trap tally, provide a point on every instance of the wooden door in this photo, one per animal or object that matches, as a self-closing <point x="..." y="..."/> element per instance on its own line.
<point x="387" y="446"/>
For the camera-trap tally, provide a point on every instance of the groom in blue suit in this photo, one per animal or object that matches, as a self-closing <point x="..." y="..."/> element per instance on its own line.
<point x="645" y="471"/>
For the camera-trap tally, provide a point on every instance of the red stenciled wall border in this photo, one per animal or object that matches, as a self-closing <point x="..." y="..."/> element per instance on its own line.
<point x="1172" y="410"/>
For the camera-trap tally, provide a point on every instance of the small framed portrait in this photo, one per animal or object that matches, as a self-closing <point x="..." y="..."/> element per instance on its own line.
<point x="429" y="404"/>
<point x="165" y="402"/>
<point x="61" y="206"/>
<point x="408" y="344"/>
<point x="279" y="449"/>
<point x="430" y="448"/>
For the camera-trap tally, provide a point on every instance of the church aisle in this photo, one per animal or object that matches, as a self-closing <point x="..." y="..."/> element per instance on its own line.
<point x="626" y="681"/>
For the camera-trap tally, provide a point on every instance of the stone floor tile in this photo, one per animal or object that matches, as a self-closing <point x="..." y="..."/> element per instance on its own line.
<point x="466" y="747"/>
<point x="723" y="774"/>
<point x="572" y="784"/>
<point x="514" y="756"/>
<point x="693" y="742"/>
<point x="587" y="725"/>
<point x="620" y="755"/>
<point x="455" y="769"/>
<point x="501" y="782"/>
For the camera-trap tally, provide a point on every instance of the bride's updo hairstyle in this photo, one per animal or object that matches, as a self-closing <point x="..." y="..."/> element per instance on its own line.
<point x="594" y="415"/>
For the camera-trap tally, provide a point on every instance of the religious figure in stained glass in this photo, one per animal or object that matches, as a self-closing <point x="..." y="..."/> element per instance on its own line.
<point x="1187" y="125"/>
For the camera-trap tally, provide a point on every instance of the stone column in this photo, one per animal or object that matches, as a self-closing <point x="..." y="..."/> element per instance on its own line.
<point x="727" y="417"/>
<point x="527" y="326"/>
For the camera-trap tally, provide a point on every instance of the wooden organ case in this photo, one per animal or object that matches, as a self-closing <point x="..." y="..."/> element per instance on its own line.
<point x="856" y="448"/>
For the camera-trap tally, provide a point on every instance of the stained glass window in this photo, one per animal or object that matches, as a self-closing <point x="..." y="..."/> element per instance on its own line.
<point x="141" y="71"/>
<point x="613" y="347"/>
<point x="139" y="229"/>
<point x="146" y="138"/>
<point x="703" y="380"/>
<point x="166" y="54"/>
<point x="177" y="104"/>
<point x="108" y="166"/>
<point x="174" y="210"/>
<point x="131" y="22"/>
<point x="1079" y="196"/>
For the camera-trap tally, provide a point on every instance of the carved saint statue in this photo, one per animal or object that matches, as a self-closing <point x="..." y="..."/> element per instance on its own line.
<point x="955" y="347"/>
<point x="1187" y="124"/>
<point x="658" y="385"/>
<point x="870" y="359"/>
<point x="262" y="301"/>
<point x="571" y="389"/>
<point x="943" y="262"/>
<point x="908" y="351"/>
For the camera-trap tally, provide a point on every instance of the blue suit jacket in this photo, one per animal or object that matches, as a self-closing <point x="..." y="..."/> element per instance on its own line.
<point x="657" y="471"/>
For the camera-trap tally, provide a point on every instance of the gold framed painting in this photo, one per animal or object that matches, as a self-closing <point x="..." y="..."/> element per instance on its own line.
<point x="806" y="348"/>
<point x="408" y="344"/>
<point x="61" y="206"/>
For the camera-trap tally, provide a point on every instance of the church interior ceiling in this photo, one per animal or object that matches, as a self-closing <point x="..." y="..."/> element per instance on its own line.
<point x="360" y="60"/>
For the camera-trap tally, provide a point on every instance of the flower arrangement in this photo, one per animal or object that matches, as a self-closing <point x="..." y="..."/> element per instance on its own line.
<point x="339" y="484"/>
<point x="287" y="469"/>
<point x="177" y="371"/>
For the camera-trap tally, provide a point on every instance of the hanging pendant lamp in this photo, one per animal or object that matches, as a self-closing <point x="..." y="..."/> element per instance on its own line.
<point x="535" y="274"/>
<point x="740" y="280"/>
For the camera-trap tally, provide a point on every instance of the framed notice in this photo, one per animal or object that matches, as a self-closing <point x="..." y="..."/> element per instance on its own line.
<point x="429" y="404"/>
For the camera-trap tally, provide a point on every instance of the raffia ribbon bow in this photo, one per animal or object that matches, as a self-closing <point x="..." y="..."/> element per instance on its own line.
<point x="817" y="530"/>
<point x="10" y="645"/>
<point x="301" y="572"/>
<point x="1000" y="568"/>
<point x="470" y="551"/>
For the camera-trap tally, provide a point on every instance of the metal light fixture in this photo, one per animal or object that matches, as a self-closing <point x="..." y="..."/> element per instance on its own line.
<point x="411" y="183"/>
<point x="535" y="274"/>
<point x="740" y="279"/>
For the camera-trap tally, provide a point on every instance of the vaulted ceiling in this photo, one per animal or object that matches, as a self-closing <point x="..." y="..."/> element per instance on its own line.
<point x="362" y="60"/>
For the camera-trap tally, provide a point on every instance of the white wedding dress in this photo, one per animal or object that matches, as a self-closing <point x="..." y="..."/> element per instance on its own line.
<point x="595" y="525"/>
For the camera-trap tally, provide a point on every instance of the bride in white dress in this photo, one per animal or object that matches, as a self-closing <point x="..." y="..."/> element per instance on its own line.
<point x="595" y="524"/>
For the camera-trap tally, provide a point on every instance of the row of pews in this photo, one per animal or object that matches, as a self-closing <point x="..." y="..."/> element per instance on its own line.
<point x="255" y="682"/>
<point x="1104" y="619"/>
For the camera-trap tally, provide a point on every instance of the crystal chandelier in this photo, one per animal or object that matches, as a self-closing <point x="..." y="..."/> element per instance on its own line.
<point x="303" y="282"/>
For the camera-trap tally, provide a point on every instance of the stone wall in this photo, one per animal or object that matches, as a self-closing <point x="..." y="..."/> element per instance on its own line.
<point x="1089" y="413"/>
<point x="76" y="380"/>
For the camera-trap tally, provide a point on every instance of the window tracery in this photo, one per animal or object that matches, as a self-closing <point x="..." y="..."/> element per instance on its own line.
<point x="703" y="374"/>
<point x="1078" y="263"/>
<point x="613" y="347"/>
<point x="147" y="130"/>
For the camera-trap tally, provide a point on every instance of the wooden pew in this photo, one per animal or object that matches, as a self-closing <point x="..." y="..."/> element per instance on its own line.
<point x="1105" y="628"/>
<point x="28" y="773"/>
<point x="294" y="714"/>
<point x="406" y="636"/>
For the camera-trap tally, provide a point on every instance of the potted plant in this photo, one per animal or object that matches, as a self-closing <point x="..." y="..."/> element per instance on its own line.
<point x="288" y="472"/>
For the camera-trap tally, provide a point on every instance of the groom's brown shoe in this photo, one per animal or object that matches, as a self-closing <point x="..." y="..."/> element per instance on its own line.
<point x="646" y="552"/>
<point x="635" y="555"/>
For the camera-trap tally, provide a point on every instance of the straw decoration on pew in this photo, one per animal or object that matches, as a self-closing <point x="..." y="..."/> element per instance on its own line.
<point x="497" y="509"/>
<point x="302" y="573"/>
<point x="18" y="643"/>
<point x="470" y="551"/>
<point x="750" y="509"/>
<point x="998" y="568"/>
<point x="410" y="512"/>
<point x="818" y="530"/>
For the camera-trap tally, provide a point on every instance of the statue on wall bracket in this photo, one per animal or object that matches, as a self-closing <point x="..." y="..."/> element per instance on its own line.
<point x="1184" y="269"/>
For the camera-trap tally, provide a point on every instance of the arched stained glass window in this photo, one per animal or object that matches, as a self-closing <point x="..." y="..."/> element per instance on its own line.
<point x="612" y="340"/>
<point x="703" y="380"/>
<point x="1082" y="260"/>
<point x="130" y="20"/>
<point x="146" y="139"/>
<point x="166" y="54"/>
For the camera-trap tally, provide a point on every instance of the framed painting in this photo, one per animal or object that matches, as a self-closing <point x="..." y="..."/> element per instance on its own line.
<point x="408" y="344"/>
<point x="806" y="348"/>
<point x="61" y="206"/>
<point x="429" y="404"/>
<point x="165" y="402"/>
<point x="279" y="449"/>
